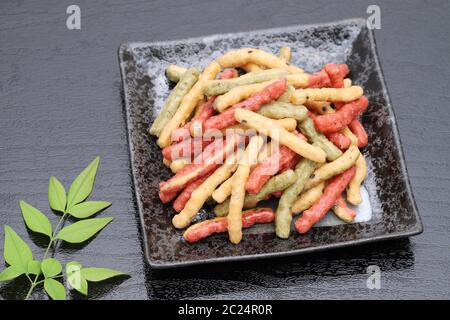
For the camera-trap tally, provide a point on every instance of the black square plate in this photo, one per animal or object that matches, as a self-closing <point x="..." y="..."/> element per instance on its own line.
<point x="145" y="87"/>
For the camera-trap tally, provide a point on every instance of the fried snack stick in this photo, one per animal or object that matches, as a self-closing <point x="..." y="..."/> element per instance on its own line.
<point x="333" y="168"/>
<point x="207" y="111"/>
<point x="253" y="103"/>
<point x="238" y="94"/>
<point x="206" y="228"/>
<point x="270" y="128"/>
<point x="342" y="211"/>
<point x="238" y="189"/>
<point x="174" y="100"/>
<point x="358" y="130"/>
<point x="286" y="96"/>
<point x="308" y="129"/>
<point x="353" y="190"/>
<point x="275" y="184"/>
<point x="218" y="87"/>
<point x="185" y="149"/>
<point x="205" y="162"/>
<point x="185" y="195"/>
<point x="280" y="110"/>
<point x="289" y="124"/>
<point x="285" y="54"/>
<point x="174" y="72"/>
<point x="334" y="122"/>
<point x="244" y="56"/>
<point x="178" y="164"/>
<point x="283" y="215"/>
<point x="301" y="96"/>
<point x="338" y="139"/>
<point x="307" y="198"/>
<point x="225" y="189"/>
<point x="202" y="193"/>
<point x="166" y="162"/>
<point x="326" y="201"/>
<point x="188" y="104"/>
<point x="270" y="166"/>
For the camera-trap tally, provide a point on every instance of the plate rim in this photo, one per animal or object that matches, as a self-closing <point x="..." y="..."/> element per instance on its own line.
<point x="415" y="230"/>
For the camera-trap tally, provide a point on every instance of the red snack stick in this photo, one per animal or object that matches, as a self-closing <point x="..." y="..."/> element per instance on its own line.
<point x="329" y="197"/>
<point x="320" y="79"/>
<point x="211" y="157"/>
<point x="206" y="228"/>
<point x="226" y="119"/>
<point x="186" y="148"/>
<point x="358" y="130"/>
<point x="339" y="139"/>
<point x="167" y="196"/>
<point x="334" y="122"/>
<point x="185" y="195"/>
<point x="337" y="73"/>
<point x="281" y="160"/>
<point x="228" y="74"/>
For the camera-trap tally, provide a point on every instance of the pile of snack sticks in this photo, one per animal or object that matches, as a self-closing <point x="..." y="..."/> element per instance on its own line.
<point x="263" y="129"/>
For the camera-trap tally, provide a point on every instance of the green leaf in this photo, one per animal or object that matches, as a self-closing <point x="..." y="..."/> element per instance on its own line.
<point x="34" y="267"/>
<point x="55" y="289"/>
<point x="35" y="220"/>
<point x="82" y="230"/>
<point x="87" y="209"/>
<point x="51" y="267"/>
<point x="82" y="185"/>
<point x="56" y="195"/>
<point x="100" y="274"/>
<point x="10" y="273"/>
<point x="75" y="278"/>
<point x="16" y="252"/>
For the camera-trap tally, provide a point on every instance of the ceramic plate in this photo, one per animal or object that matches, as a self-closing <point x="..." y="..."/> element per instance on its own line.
<point x="393" y="212"/>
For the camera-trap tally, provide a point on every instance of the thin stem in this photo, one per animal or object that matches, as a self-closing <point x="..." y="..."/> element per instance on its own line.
<point x="52" y="239"/>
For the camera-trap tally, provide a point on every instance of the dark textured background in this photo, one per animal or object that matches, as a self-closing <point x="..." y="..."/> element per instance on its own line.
<point x="60" y="105"/>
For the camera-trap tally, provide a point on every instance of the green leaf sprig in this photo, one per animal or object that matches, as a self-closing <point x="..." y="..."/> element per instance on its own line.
<point x="49" y="271"/>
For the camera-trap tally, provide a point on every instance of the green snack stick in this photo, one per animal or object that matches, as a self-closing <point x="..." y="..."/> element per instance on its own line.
<point x="276" y="183"/>
<point x="286" y="96"/>
<point x="280" y="110"/>
<point x="218" y="87"/>
<point x="283" y="216"/>
<point x="174" y="72"/>
<point x="308" y="129"/>
<point x="188" y="79"/>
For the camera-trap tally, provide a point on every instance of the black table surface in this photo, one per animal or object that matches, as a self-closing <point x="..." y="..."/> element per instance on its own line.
<point x="61" y="105"/>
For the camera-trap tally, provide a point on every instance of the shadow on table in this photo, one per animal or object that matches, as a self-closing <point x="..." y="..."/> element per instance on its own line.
<point x="303" y="270"/>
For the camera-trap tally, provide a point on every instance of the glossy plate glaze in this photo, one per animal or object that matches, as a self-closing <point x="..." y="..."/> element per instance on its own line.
<point x="394" y="212"/>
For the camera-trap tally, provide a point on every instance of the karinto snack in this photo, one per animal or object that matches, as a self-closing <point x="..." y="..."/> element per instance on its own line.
<point x="233" y="141"/>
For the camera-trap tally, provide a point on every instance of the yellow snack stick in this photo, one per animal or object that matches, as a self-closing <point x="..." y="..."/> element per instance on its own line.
<point x="202" y="193"/>
<point x="347" y="83"/>
<point x="290" y="124"/>
<point x="241" y="57"/>
<point x="307" y="198"/>
<point x="179" y="164"/>
<point x="333" y="168"/>
<point x="223" y="191"/>
<point x="353" y="189"/>
<point x="270" y="128"/>
<point x="320" y="107"/>
<point x="238" y="94"/>
<point x="234" y="217"/>
<point x="349" y="134"/>
<point x="188" y="104"/>
<point x="294" y="69"/>
<point x="285" y="54"/>
<point x="175" y="72"/>
<point x="167" y="162"/>
<point x="301" y="96"/>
